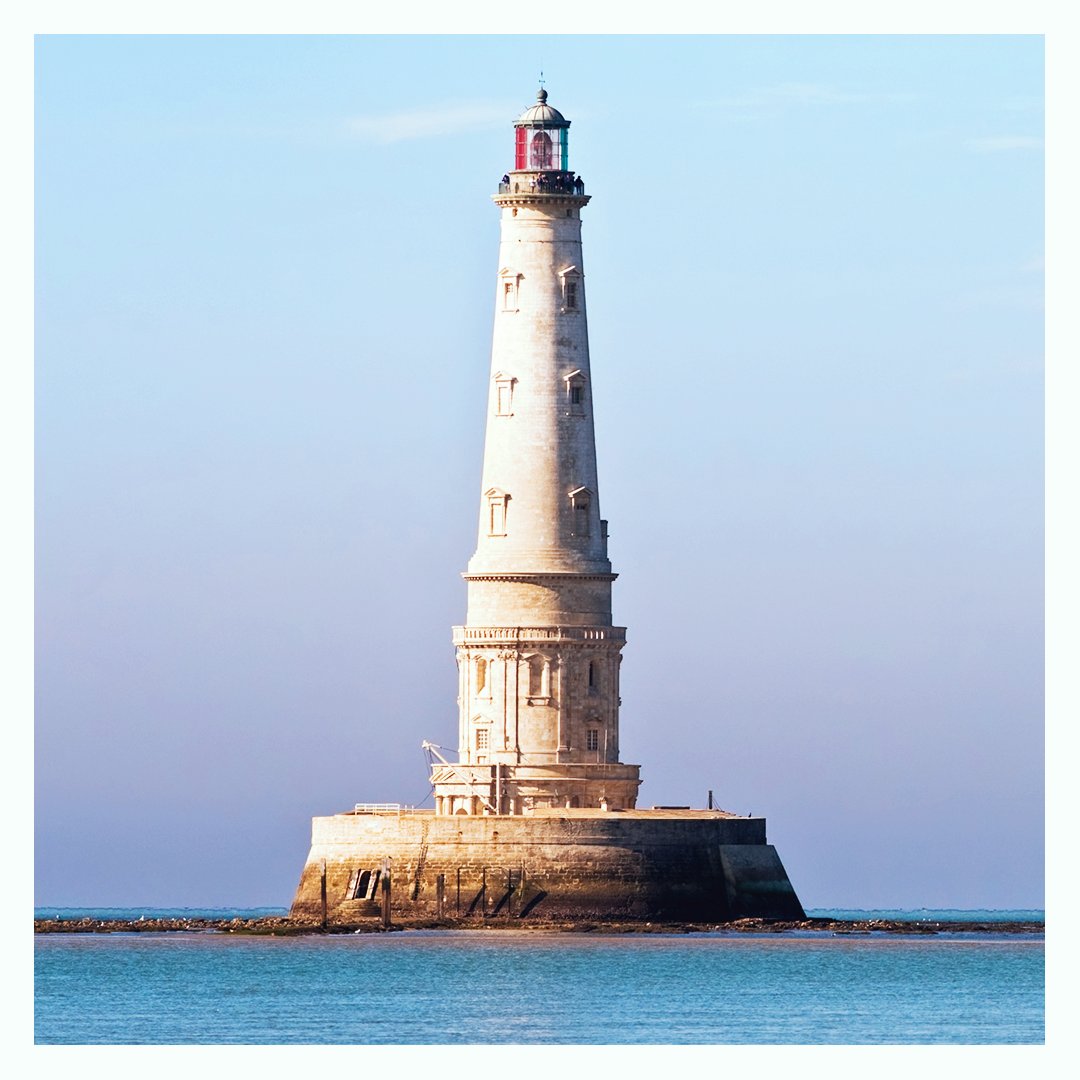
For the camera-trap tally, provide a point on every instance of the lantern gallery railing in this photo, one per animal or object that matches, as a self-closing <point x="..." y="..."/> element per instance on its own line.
<point x="477" y="635"/>
<point x="545" y="184"/>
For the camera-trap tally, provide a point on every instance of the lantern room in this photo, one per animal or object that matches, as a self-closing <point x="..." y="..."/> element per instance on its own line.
<point x="540" y="138"/>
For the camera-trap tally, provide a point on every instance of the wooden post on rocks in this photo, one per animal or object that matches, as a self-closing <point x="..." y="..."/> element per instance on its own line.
<point x="385" y="886"/>
<point x="440" y="890"/>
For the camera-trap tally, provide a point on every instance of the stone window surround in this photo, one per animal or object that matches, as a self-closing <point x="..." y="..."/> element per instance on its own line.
<point x="504" y="393"/>
<point x="510" y="289"/>
<point x="539" y="694"/>
<point x="498" y="509"/>
<point x="575" y="380"/>
<point x="581" y="508"/>
<point x="571" y="297"/>
<point x="482" y="728"/>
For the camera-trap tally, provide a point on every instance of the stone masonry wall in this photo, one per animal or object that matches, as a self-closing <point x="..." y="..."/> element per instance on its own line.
<point x="637" y="865"/>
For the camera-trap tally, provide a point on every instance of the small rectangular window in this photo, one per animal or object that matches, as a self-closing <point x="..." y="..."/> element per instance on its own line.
<point x="575" y="393"/>
<point x="571" y="295"/>
<point x="481" y="738"/>
<point x="508" y="296"/>
<point x="581" y="519"/>
<point x="592" y="739"/>
<point x="504" y="396"/>
<point x="497" y="514"/>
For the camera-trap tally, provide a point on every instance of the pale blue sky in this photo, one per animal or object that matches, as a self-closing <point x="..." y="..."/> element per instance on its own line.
<point x="264" y="298"/>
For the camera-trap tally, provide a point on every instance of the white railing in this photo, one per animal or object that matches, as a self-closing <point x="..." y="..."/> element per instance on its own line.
<point x="498" y="634"/>
<point x="382" y="808"/>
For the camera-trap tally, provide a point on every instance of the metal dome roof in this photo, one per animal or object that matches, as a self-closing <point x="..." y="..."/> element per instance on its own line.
<point x="541" y="115"/>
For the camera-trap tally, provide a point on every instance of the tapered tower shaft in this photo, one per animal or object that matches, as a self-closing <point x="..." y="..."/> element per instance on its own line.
<point x="538" y="656"/>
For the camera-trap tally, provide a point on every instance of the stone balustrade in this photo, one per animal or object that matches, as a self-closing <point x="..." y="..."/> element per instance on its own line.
<point x="502" y="635"/>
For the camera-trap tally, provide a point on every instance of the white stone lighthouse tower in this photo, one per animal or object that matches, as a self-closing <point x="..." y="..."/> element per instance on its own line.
<point x="537" y="817"/>
<point x="538" y="656"/>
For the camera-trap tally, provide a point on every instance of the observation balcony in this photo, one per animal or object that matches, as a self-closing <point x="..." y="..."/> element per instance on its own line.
<point x="542" y="183"/>
<point x="500" y="635"/>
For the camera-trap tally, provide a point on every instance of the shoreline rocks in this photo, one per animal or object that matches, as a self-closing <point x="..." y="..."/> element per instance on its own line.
<point x="283" y="926"/>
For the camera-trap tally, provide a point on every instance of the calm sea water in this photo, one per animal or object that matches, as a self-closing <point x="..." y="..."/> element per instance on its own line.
<point x="417" y="987"/>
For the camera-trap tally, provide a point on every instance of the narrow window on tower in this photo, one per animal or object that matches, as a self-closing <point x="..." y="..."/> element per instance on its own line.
<point x="498" y="503"/>
<point x="538" y="674"/>
<point x="481" y="676"/>
<point x="509" y="289"/>
<point x="579" y="505"/>
<point x="594" y="677"/>
<point x="571" y="291"/>
<point x="592" y="739"/>
<point x="575" y="393"/>
<point x="504" y="394"/>
<point x="482" y="738"/>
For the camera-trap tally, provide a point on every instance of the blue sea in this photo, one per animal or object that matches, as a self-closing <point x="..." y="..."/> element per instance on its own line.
<point x="506" y="986"/>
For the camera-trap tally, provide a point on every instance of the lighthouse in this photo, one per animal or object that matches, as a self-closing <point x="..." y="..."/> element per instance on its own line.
<point x="535" y="815"/>
<point x="538" y="656"/>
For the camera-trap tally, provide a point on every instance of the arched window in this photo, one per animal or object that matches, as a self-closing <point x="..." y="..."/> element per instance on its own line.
<point x="540" y="151"/>
<point x="538" y="673"/>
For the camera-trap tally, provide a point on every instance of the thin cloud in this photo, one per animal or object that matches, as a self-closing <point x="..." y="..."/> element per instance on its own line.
<point x="432" y="122"/>
<point x="993" y="144"/>
<point x="767" y="101"/>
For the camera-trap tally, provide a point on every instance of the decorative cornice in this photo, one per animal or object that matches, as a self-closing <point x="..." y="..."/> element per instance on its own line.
<point x="540" y="198"/>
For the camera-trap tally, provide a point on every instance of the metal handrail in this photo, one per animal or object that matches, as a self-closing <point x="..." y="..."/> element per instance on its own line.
<point x="382" y="808"/>
<point x="542" y="187"/>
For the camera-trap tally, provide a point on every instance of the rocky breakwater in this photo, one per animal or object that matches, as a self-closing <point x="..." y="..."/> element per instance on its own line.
<point x="264" y="925"/>
<point x="285" y="926"/>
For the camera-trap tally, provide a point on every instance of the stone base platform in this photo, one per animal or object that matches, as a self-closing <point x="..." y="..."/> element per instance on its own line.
<point x="689" y="865"/>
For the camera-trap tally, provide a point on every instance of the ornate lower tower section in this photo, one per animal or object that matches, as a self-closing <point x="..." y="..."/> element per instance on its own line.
<point x="538" y="656"/>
